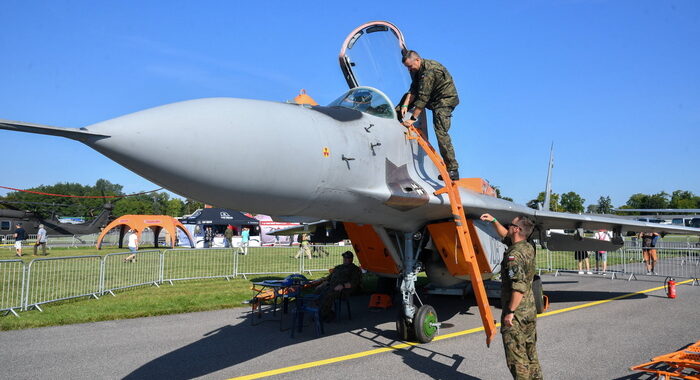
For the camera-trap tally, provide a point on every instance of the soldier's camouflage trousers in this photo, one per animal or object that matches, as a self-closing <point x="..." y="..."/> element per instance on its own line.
<point x="442" y="117"/>
<point x="520" y="344"/>
<point x="327" y="299"/>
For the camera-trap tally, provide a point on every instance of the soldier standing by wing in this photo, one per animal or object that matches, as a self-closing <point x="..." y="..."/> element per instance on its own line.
<point x="518" y="319"/>
<point x="434" y="89"/>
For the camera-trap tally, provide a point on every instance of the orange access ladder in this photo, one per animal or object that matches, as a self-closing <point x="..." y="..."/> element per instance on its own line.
<point x="466" y="247"/>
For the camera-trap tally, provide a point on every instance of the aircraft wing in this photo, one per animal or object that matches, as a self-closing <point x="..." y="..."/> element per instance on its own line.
<point x="477" y="204"/>
<point x="323" y="231"/>
<point x="300" y="229"/>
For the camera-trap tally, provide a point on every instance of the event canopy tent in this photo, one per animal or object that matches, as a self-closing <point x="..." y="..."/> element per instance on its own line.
<point x="222" y="217"/>
<point x="155" y="223"/>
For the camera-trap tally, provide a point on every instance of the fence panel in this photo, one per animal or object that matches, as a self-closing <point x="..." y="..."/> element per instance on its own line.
<point x="269" y="260"/>
<point x="60" y="278"/>
<point x="118" y="274"/>
<point x="12" y="274"/>
<point x="324" y="257"/>
<point x="675" y="258"/>
<point x="190" y="264"/>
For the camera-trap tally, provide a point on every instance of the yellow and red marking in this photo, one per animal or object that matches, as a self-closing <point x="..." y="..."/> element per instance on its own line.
<point x="326" y="152"/>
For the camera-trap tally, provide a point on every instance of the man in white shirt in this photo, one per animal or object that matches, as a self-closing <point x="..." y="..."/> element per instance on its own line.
<point x="40" y="240"/>
<point x="133" y="245"/>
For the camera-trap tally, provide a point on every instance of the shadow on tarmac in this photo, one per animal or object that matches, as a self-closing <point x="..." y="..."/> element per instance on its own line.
<point x="432" y="363"/>
<point x="241" y="342"/>
<point x="556" y="296"/>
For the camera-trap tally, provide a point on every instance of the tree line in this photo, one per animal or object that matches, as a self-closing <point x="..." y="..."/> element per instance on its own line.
<point x="46" y="206"/>
<point x="574" y="203"/>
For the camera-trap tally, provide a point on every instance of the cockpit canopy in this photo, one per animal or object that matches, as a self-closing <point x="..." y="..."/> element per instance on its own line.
<point x="368" y="100"/>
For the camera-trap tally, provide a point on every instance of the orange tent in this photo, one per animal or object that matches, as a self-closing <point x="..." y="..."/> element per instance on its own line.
<point x="139" y="222"/>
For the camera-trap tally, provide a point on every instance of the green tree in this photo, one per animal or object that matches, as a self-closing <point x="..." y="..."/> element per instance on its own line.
<point x="684" y="199"/>
<point x="191" y="206"/>
<point x="604" y="205"/>
<point x="133" y="206"/>
<point x="553" y="202"/>
<point x="658" y="200"/>
<point x="572" y="202"/>
<point x="46" y="206"/>
<point x="175" y="207"/>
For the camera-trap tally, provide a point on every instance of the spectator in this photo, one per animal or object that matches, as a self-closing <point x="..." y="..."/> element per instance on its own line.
<point x="208" y="237"/>
<point x="582" y="256"/>
<point x="245" y="241"/>
<point x="40" y="240"/>
<point x="344" y="277"/>
<point x="649" y="250"/>
<point x="228" y="235"/>
<point x="20" y="236"/>
<point x="602" y="255"/>
<point x="304" y="247"/>
<point x="133" y="245"/>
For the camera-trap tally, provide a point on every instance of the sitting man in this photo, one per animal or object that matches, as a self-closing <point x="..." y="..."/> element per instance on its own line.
<point x="344" y="277"/>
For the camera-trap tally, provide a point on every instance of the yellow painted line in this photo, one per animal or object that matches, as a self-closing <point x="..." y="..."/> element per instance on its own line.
<point x="358" y="355"/>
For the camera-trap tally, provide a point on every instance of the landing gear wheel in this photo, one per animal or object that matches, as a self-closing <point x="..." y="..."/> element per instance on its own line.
<point x="424" y="324"/>
<point x="404" y="329"/>
<point x="537" y="293"/>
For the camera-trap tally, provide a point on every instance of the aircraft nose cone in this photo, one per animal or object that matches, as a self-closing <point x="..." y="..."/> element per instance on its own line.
<point x="238" y="153"/>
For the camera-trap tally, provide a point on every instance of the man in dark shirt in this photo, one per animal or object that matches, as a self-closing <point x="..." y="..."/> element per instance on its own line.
<point x="649" y="250"/>
<point x="345" y="277"/>
<point x="434" y="89"/>
<point x="20" y="236"/>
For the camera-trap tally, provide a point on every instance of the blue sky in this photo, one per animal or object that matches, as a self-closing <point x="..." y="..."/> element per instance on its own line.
<point x="614" y="84"/>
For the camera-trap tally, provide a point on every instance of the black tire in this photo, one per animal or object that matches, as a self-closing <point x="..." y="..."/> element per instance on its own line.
<point x="539" y="295"/>
<point x="404" y="329"/>
<point x="423" y="324"/>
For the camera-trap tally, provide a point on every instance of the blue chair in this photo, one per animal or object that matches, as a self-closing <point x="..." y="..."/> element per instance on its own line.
<point x="305" y="305"/>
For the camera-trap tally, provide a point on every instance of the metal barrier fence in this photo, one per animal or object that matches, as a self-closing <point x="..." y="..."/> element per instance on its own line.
<point x="120" y="274"/>
<point x="11" y="285"/>
<point x="44" y="280"/>
<point x="190" y="264"/>
<point x="61" y="278"/>
<point x="678" y="259"/>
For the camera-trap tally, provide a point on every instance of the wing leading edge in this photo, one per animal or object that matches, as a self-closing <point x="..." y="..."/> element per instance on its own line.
<point x="477" y="204"/>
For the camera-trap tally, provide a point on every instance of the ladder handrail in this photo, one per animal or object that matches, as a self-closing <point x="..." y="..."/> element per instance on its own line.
<point x="465" y="239"/>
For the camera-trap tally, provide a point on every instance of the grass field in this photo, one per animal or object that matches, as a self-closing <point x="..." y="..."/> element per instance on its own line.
<point x="149" y="300"/>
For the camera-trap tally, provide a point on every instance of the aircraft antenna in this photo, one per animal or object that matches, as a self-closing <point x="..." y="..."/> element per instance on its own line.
<point x="548" y="185"/>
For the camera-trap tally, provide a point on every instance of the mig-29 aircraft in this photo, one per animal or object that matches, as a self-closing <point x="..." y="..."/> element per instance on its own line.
<point x="350" y="162"/>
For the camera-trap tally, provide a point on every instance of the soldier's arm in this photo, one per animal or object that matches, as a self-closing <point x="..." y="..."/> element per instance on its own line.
<point x="500" y="230"/>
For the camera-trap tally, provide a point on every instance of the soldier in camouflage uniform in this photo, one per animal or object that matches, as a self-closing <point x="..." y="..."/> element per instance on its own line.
<point x="434" y="89"/>
<point x="518" y="320"/>
<point x="345" y="277"/>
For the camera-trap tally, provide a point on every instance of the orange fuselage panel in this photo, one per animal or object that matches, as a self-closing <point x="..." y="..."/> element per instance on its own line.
<point x="370" y="250"/>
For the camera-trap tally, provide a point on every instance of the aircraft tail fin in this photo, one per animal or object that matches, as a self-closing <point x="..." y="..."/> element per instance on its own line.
<point x="71" y="133"/>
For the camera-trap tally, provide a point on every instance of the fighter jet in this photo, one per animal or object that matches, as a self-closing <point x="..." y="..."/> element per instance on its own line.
<point x="350" y="162"/>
